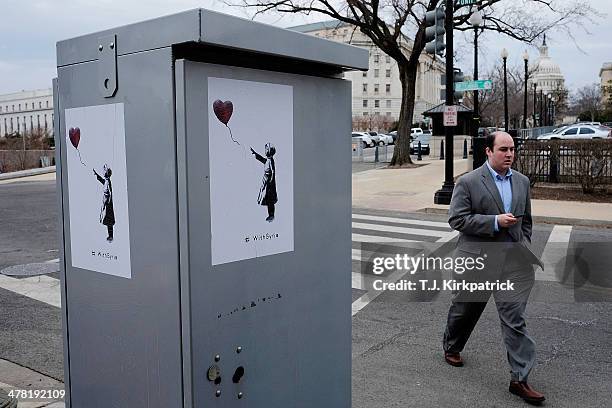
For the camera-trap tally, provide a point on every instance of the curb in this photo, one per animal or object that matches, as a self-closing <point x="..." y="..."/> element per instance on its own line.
<point x="575" y="222"/>
<point x="27" y="173"/>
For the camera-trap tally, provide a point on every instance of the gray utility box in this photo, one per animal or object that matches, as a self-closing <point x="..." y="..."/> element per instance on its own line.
<point x="206" y="210"/>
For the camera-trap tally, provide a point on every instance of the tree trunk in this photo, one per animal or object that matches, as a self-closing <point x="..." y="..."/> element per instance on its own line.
<point x="401" y="153"/>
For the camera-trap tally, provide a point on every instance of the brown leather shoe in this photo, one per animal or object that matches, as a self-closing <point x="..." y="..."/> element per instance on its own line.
<point x="453" y="359"/>
<point x="523" y="390"/>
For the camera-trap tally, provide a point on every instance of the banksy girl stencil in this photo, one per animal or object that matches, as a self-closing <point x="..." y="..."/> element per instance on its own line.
<point x="96" y="166"/>
<point x="107" y="211"/>
<point x="251" y="209"/>
<point x="267" y="191"/>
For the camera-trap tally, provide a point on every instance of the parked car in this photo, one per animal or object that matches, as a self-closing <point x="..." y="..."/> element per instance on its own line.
<point x="364" y="138"/>
<point x="414" y="132"/>
<point x="374" y="136"/>
<point x="483" y="132"/>
<point x="560" y="129"/>
<point x="579" y="132"/>
<point x="385" y="139"/>
<point x="424" y="139"/>
<point x="393" y="134"/>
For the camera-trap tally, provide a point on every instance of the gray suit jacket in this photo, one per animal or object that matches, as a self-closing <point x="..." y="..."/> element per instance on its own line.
<point x="476" y="202"/>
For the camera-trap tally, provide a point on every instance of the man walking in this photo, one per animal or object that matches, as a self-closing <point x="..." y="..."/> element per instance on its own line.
<point x="491" y="209"/>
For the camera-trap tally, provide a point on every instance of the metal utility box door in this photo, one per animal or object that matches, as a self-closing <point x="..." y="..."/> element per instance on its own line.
<point x="206" y="206"/>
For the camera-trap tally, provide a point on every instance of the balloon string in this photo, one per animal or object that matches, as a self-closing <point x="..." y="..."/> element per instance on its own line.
<point x="232" y="136"/>
<point x="80" y="157"/>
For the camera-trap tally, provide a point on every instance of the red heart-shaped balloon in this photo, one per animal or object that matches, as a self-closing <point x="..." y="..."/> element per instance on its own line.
<point x="223" y="110"/>
<point x="75" y="136"/>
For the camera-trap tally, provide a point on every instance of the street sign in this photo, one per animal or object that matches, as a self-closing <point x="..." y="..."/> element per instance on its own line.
<point x="450" y="115"/>
<point x="466" y="2"/>
<point x="480" y="85"/>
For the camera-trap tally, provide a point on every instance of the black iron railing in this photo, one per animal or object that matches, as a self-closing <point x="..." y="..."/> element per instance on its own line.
<point x="584" y="162"/>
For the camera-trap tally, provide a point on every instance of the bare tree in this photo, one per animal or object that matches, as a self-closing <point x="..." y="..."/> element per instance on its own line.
<point x="388" y="22"/>
<point x="588" y="100"/>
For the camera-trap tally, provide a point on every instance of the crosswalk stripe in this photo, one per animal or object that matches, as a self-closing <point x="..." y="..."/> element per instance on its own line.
<point x="554" y="251"/>
<point x="42" y="288"/>
<point x="402" y="230"/>
<point x="377" y="239"/>
<point x="368" y="297"/>
<point x="408" y="221"/>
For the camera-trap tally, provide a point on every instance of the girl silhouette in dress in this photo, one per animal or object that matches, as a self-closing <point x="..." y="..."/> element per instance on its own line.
<point x="107" y="212"/>
<point x="267" y="192"/>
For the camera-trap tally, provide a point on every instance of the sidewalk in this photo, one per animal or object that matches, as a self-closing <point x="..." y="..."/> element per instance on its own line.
<point x="45" y="173"/>
<point x="412" y="190"/>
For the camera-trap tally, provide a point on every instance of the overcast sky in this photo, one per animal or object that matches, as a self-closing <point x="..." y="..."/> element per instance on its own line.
<point x="30" y="29"/>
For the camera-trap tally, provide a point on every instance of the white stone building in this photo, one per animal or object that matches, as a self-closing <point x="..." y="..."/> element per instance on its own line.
<point x="546" y="73"/>
<point x="26" y="111"/>
<point x="605" y="75"/>
<point x="377" y="93"/>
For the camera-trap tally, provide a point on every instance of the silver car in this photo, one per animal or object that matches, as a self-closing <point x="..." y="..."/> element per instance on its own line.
<point x="363" y="138"/>
<point x="579" y="132"/>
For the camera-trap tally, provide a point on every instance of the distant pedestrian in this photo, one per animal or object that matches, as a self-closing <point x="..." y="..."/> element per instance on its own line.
<point x="107" y="212"/>
<point x="267" y="192"/>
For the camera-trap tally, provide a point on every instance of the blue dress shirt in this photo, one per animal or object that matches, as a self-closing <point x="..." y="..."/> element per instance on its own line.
<point x="504" y="186"/>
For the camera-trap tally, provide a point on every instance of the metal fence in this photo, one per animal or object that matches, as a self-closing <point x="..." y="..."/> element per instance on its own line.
<point x="585" y="162"/>
<point x="377" y="154"/>
<point x="533" y="133"/>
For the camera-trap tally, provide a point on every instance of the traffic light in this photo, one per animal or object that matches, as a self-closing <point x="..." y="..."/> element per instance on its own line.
<point x="434" y="31"/>
<point x="457" y="77"/>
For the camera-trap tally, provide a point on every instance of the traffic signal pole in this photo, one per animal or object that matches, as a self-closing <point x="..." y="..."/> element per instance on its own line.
<point x="443" y="196"/>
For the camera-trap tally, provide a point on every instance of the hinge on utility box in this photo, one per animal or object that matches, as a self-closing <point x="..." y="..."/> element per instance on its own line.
<point x="107" y="65"/>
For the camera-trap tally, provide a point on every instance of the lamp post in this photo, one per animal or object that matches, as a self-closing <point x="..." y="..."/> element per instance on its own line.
<point x="504" y="55"/>
<point x="552" y="110"/>
<point x="542" y="123"/>
<point x="535" y="103"/>
<point x="526" y="59"/>
<point x="476" y="21"/>
<point x="549" y="111"/>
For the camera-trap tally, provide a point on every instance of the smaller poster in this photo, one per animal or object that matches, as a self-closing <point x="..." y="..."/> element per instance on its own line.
<point x="97" y="189"/>
<point x="250" y="135"/>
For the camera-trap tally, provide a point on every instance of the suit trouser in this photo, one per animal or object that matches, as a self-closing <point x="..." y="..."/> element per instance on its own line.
<point x="466" y="309"/>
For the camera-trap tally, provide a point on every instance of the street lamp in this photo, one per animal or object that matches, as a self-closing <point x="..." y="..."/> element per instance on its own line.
<point x="504" y="55"/>
<point x="552" y="110"/>
<point x="549" y="110"/>
<point x="526" y="59"/>
<point x="535" y="103"/>
<point x="476" y="21"/>
<point x="542" y="123"/>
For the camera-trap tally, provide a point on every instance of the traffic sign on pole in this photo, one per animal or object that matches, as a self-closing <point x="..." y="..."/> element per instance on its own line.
<point x="450" y="115"/>
<point x="484" y="84"/>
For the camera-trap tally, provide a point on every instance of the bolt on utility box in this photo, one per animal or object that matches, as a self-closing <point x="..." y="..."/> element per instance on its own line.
<point x="205" y="199"/>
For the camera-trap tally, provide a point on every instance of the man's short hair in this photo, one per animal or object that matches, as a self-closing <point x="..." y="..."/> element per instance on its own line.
<point x="490" y="140"/>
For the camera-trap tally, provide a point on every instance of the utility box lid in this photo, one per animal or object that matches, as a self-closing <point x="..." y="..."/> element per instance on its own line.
<point x="200" y="26"/>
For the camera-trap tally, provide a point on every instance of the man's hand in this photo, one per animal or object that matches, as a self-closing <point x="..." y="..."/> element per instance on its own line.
<point x="506" y="220"/>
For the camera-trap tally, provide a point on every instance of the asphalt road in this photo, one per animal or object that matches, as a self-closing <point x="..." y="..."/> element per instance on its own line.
<point x="397" y="358"/>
